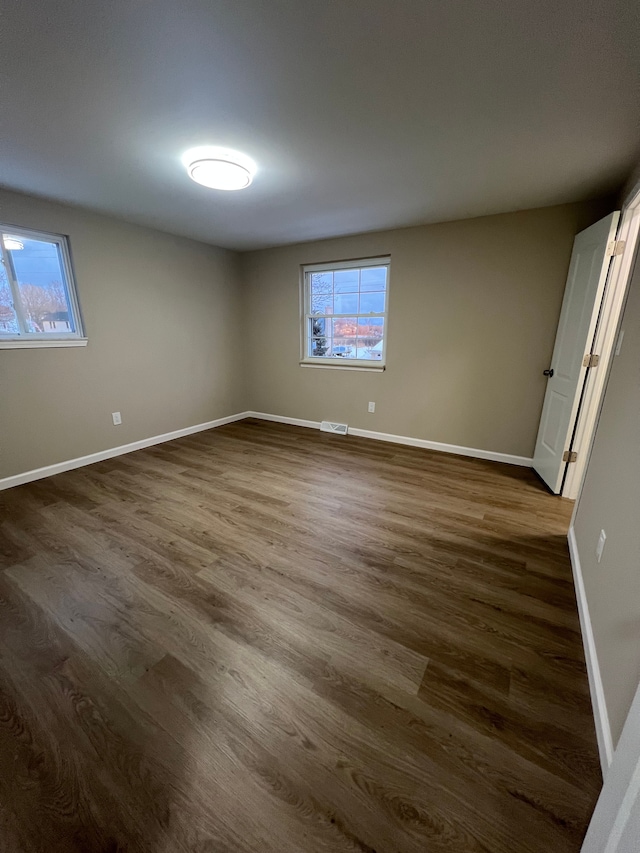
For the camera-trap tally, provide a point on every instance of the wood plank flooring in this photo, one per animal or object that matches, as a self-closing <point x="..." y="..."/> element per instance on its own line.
<point x="264" y="639"/>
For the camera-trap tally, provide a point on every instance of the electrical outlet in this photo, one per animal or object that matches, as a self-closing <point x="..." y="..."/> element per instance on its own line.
<point x="117" y="418"/>
<point x="600" y="546"/>
<point x="371" y="407"/>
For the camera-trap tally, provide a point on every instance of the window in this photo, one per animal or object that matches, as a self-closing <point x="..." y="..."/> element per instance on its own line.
<point x="38" y="302"/>
<point x="345" y="313"/>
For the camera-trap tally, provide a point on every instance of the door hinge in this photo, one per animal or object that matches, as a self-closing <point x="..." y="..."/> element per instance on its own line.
<point x="591" y="360"/>
<point x="615" y="247"/>
<point x="569" y="456"/>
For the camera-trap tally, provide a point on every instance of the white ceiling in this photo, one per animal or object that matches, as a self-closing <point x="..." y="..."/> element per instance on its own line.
<point x="361" y="114"/>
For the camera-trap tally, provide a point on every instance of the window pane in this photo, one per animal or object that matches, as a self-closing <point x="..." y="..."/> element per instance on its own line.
<point x="345" y="303"/>
<point x="320" y="347"/>
<point x="370" y="337"/>
<point x="8" y="319"/>
<point x="319" y="337"/>
<point x="372" y="302"/>
<point x="373" y="278"/>
<point x="320" y="326"/>
<point x="322" y="293"/>
<point x="42" y="287"/>
<point x="322" y="281"/>
<point x="346" y="281"/>
<point x="345" y="331"/>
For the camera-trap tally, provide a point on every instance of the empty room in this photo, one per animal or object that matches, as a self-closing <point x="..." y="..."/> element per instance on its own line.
<point x="319" y="426"/>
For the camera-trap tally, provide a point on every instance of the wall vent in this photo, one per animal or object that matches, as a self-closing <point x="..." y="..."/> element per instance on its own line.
<point x="329" y="426"/>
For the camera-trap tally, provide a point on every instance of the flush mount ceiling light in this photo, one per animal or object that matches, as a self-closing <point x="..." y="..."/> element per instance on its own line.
<point x="219" y="168"/>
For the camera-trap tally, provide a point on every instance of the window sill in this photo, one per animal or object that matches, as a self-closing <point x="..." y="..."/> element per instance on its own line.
<point x="369" y="368"/>
<point x="38" y="343"/>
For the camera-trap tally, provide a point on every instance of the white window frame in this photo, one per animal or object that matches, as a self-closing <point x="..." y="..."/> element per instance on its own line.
<point x="306" y="316"/>
<point x="41" y="339"/>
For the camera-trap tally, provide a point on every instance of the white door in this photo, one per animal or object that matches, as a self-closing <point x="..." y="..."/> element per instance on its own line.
<point x="578" y="320"/>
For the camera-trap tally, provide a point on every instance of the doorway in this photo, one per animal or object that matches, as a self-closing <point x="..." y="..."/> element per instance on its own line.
<point x="586" y="342"/>
<point x="615" y="825"/>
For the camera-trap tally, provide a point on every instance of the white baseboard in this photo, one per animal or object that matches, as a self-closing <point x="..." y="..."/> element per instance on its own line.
<point x="280" y="419"/>
<point x="460" y="450"/>
<point x="403" y="439"/>
<point x="70" y="464"/>
<point x="598" y="702"/>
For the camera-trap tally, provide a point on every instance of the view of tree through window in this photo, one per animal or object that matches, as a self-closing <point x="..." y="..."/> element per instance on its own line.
<point x="34" y="288"/>
<point x="346" y="312"/>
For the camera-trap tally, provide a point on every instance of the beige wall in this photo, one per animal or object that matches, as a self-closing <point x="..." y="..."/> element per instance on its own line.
<point x="610" y="500"/>
<point x="473" y="312"/>
<point x="181" y="333"/>
<point x="162" y="316"/>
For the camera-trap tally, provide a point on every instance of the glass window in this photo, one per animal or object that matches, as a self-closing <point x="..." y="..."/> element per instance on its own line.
<point x="38" y="301"/>
<point x="345" y="312"/>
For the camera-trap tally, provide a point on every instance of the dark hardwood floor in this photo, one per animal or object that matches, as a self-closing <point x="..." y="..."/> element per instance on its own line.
<point x="264" y="639"/>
